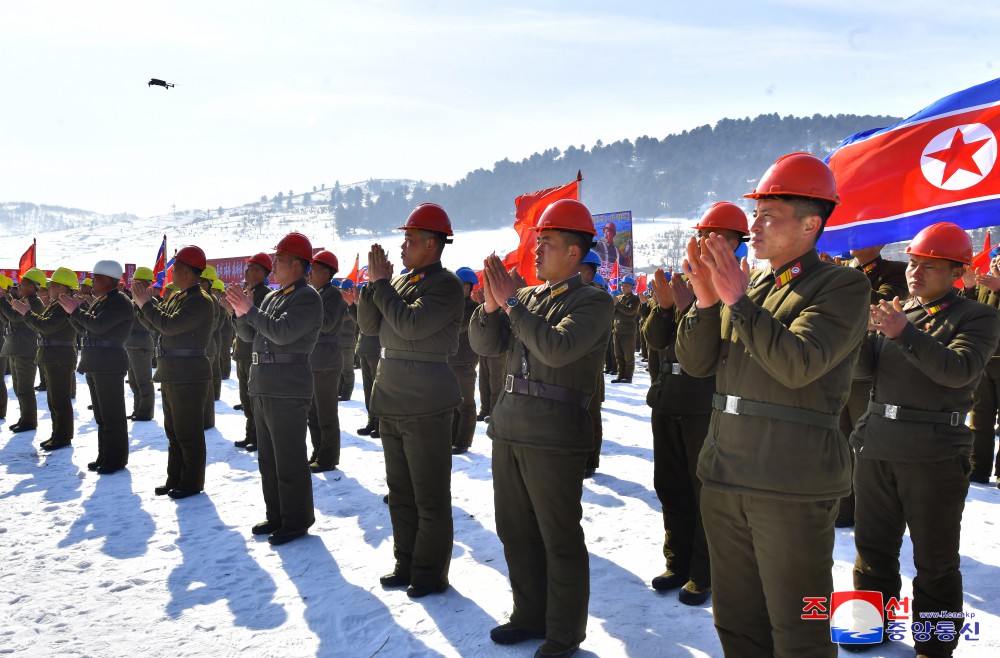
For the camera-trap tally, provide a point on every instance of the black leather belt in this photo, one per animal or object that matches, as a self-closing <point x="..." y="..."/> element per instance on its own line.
<point x="892" y="412"/>
<point x="93" y="342"/>
<point x="548" y="391"/>
<point x="168" y="352"/>
<point x="414" y="356"/>
<point x="738" y="406"/>
<point x="670" y="368"/>
<point x="280" y="357"/>
<point x="42" y="342"/>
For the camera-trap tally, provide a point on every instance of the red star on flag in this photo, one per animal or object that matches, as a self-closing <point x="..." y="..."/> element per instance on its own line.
<point x="958" y="156"/>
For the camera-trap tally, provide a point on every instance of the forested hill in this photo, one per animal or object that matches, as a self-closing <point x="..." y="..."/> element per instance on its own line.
<point x="678" y="175"/>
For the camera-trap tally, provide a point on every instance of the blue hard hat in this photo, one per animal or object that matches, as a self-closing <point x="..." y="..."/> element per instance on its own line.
<point x="629" y="279"/>
<point x="468" y="275"/>
<point x="347" y="284"/>
<point x="592" y="259"/>
<point x="599" y="280"/>
<point x="405" y="270"/>
<point x="616" y="292"/>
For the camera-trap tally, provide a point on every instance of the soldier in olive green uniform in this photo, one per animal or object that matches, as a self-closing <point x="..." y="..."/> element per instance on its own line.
<point x="369" y="351"/>
<point x="553" y="336"/>
<point x="259" y="267"/>
<point x="588" y="272"/>
<point x="56" y="356"/>
<point x="417" y="316"/>
<point x="19" y="347"/>
<point x="782" y="345"/>
<point x="183" y="369"/>
<point x="463" y="363"/>
<point x="985" y="458"/>
<point x="227" y="332"/>
<point x="348" y="341"/>
<point x="626" y="310"/>
<point x="888" y="280"/>
<point x="5" y="284"/>
<point x="491" y="376"/>
<point x="284" y="331"/>
<point x="105" y="324"/>
<point x="326" y="362"/>
<point x="140" y="362"/>
<point x="206" y="280"/>
<point x="913" y="447"/>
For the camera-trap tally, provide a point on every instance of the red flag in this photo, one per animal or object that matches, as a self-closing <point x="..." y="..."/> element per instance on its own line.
<point x="935" y="166"/>
<point x="981" y="263"/>
<point x="613" y="277"/>
<point x="640" y="284"/>
<point x="528" y="208"/>
<point x="27" y="260"/>
<point x="353" y="275"/>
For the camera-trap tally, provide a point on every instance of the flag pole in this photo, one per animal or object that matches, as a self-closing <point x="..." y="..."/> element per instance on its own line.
<point x="579" y="185"/>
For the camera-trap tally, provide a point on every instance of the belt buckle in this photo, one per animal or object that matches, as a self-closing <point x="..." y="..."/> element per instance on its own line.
<point x="956" y="419"/>
<point x="890" y="411"/>
<point x="732" y="405"/>
<point x="254" y="359"/>
<point x="509" y="384"/>
<point x="675" y="368"/>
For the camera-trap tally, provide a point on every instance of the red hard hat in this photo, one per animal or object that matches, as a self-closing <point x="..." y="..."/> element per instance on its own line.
<point x="942" y="240"/>
<point x="263" y="260"/>
<point x="297" y="245"/>
<point x="191" y="255"/>
<point x="328" y="259"/>
<point x="429" y="217"/>
<point x="723" y="214"/>
<point x="797" y="174"/>
<point x="566" y="215"/>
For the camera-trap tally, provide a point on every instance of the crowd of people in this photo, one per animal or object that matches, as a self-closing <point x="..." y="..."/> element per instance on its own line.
<point x="808" y="394"/>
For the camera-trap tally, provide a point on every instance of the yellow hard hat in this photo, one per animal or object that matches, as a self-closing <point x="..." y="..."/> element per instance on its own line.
<point x="173" y="286"/>
<point x="5" y="281"/>
<point x="209" y="273"/>
<point x="35" y="275"/>
<point x="142" y="274"/>
<point x="218" y="285"/>
<point x="66" y="277"/>
<point x="87" y="282"/>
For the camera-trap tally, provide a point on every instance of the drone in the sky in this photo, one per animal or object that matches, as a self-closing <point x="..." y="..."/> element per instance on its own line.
<point x="159" y="83"/>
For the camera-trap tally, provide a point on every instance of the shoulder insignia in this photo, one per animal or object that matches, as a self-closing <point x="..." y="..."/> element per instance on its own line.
<point x="417" y="278"/>
<point x="788" y="275"/>
<point x="560" y="289"/>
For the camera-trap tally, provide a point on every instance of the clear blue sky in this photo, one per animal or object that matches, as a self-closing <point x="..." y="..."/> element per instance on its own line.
<point x="278" y="96"/>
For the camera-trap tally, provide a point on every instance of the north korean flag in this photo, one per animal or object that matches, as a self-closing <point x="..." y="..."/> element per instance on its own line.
<point x="160" y="267"/>
<point x="936" y="166"/>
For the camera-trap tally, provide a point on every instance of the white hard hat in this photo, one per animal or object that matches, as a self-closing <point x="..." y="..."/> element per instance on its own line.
<point x="109" y="268"/>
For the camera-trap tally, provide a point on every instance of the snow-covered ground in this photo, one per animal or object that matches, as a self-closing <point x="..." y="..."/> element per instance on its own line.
<point x="99" y="566"/>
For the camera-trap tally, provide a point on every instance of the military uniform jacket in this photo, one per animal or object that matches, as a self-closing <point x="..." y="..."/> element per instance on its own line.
<point x="934" y="365"/>
<point x="185" y="323"/>
<point x="465" y="353"/>
<point x="244" y="349"/>
<point x="793" y="344"/>
<point x="19" y="338"/>
<point x="140" y="338"/>
<point x="887" y="278"/>
<point x="990" y="298"/>
<point x="557" y="335"/>
<point x="53" y="325"/>
<point x="675" y="391"/>
<point x="287" y="322"/>
<point x="216" y="325"/>
<point x="105" y="326"/>
<point x="327" y="354"/>
<point x="626" y="311"/>
<point x="417" y="318"/>
<point x="368" y="345"/>
<point x="349" y="329"/>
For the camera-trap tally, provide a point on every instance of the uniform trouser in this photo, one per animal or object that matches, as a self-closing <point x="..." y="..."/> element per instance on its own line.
<point x="324" y="418"/>
<point x="463" y="424"/>
<point x="418" y="472"/>
<point x="185" y="433"/>
<point x="625" y="354"/>
<point x="537" y="494"/>
<point x="41" y="378"/>
<point x="226" y="358"/>
<point x="610" y="364"/>
<point x="208" y="404"/>
<point x="369" y="366"/>
<point x="22" y="371"/>
<point x="216" y="380"/>
<point x="243" y="376"/>
<point x="491" y="380"/>
<point x="3" y="387"/>
<point x="857" y="405"/>
<point x="766" y="555"/>
<point x="929" y="497"/>
<point x="107" y="392"/>
<point x="282" y="459"/>
<point x="58" y="394"/>
<point x="594" y="457"/>
<point x="140" y="380"/>
<point x="653" y="364"/>
<point x="641" y="340"/>
<point x="347" y="374"/>
<point x="982" y="421"/>
<point x="677" y="441"/>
